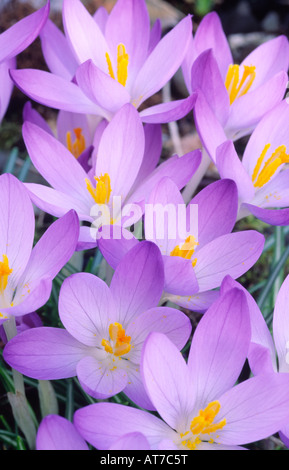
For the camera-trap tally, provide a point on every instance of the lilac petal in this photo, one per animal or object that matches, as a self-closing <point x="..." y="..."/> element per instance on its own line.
<point x="260" y="359"/>
<point x="180" y="277"/>
<point x="155" y="35"/>
<point x="28" y="300"/>
<point x="31" y="115"/>
<point x="138" y="281"/>
<point x="254" y="409"/>
<point x="220" y="345"/>
<point x="100" y="17"/>
<point x="168" y="112"/>
<point x="99" y="381"/>
<point x="163" y="62"/>
<point x="167" y="379"/>
<point x="231" y="254"/>
<point x="269" y="216"/>
<point x="131" y="441"/>
<point x="113" y="244"/>
<point x="281" y="326"/>
<point x="102" y="423"/>
<point x="284" y="435"/>
<point x="56" y="51"/>
<point x="86" y="241"/>
<point x="275" y="193"/>
<point x="67" y="122"/>
<point x="6" y="85"/>
<point x="57" y="433"/>
<point x="199" y="302"/>
<point x="86" y="308"/>
<point x="19" y="36"/>
<point x="44" y="353"/>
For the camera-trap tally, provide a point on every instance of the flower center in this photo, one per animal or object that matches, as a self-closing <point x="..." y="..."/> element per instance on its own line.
<point x="122" y="65"/>
<point x="102" y="190"/>
<point x="78" y="146"/>
<point x="264" y="171"/>
<point x="5" y="272"/>
<point x="202" y="426"/>
<point x="119" y="343"/>
<point x="238" y="86"/>
<point x="186" y="250"/>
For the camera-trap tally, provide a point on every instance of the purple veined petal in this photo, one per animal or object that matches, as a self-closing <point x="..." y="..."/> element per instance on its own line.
<point x="131" y="441"/>
<point x="168" y="112"/>
<point x="57" y="433"/>
<point x="163" y="62"/>
<point x="138" y="281"/>
<point x="206" y="76"/>
<point x="44" y="353"/>
<point x="232" y="254"/>
<point x="284" y="435"/>
<point x="114" y="242"/>
<point x="260" y="359"/>
<point x="277" y="51"/>
<point x="100" y="17"/>
<point x="217" y="210"/>
<point x="121" y="150"/>
<point x="275" y="193"/>
<point x="199" y="302"/>
<point x="208" y="127"/>
<point x="230" y="166"/>
<point x="270" y="216"/>
<point x="83" y="34"/>
<point x="210" y="35"/>
<point x="6" y="85"/>
<point x="254" y="409"/>
<point x="98" y="380"/>
<point x="86" y="308"/>
<point x="54" y="91"/>
<point x="187" y="63"/>
<point x="31" y="115"/>
<point x="220" y="346"/>
<point x="19" y="36"/>
<point x="155" y="35"/>
<point x="17" y="225"/>
<point x="57" y="52"/>
<point x="167" y="380"/>
<point x="67" y="122"/>
<point x="248" y="110"/>
<point x="28" y="300"/>
<point x="101" y="424"/>
<point x="135" y="389"/>
<point x="129" y="24"/>
<point x="101" y="88"/>
<point x="86" y="241"/>
<point x="281" y="326"/>
<point x="55" y="163"/>
<point x="180" y="277"/>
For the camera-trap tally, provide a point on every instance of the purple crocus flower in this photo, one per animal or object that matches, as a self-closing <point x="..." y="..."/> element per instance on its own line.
<point x="57" y="433"/>
<point x="195" y="263"/>
<point x="26" y="272"/>
<point x="119" y="170"/>
<point x="198" y="401"/>
<point x="261" y="176"/>
<point x="13" y="41"/>
<point x="238" y="95"/>
<point x="105" y="329"/>
<point x="128" y="65"/>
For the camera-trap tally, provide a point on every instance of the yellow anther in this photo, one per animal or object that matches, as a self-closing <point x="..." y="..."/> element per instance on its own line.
<point x="186" y="250"/>
<point x="78" y="146"/>
<point x="237" y="86"/>
<point x="119" y="343"/>
<point x="263" y="172"/>
<point x="102" y="190"/>
<point x="122" y="65"/>
<point x="5" y="272"/>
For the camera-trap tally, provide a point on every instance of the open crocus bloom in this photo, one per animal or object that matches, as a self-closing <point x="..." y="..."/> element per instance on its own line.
<point x="239" y="95"/>
<point x="26" y="272"/>
<point x="105" y="329"/>
<point x="129" y="64"/>
<point x="57" y="433"/>
<point x="200" y="405"/>
<point x="13" y="41"/>
<point x="196" y="262"/>
<point x="119" y="172"/>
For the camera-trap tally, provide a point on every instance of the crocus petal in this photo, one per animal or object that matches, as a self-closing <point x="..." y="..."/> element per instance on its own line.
<point x="28" y="300"/>
<point x="180" y="277"/>
<point x="100" y="17"/>
<point x="281" y="326"/>
<point x="168" y="112"/>
<point x="131" y="441"/>
<point x="220" y="345"/>
<point x="275" y="193"/>
<point x="44" y="353"/>
<point x="102" y="423"/>
<point x="6" y="85"/>
<point x="269" y="216"/>
<point x="86" y="240"/>
<point x="231" y="254"/>
<point x="31" y="115"/>
<point x="163" y="62"/>
<point x="19" y="36"/>
<point x="138" y="281"/>
<point x="155" y="35"/>
<point x="57" y="433"/>
<point x="114" y="244"/>
<point x="199" y="302"/>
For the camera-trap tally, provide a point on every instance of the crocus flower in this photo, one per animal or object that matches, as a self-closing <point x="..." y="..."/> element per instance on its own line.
<point x="200" y="405"/>
<point x="196" y="261"/>
<point x="239" y="95"/>
<point x="26" y="272"/>
<point x="13" y="41"/>
<point x="261" y="175"/>
<point x="119" y="170"/>
<point x="128" y="65"/>
<point x="105" y="329"/>
<point x="57" y="433"/>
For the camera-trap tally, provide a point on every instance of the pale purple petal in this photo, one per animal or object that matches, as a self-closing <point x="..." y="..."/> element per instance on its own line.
<point x="269" y="216"/>
<point x="281" y="326"/>
<point x="199" y="302"/>
<point x="27" y="300"/>
<point x="6" y="85"/>
<point x="114" y="242"/>
<point x="131" y="441"/>
<point x="170" y="111"/>
<point x="31" y="115"/>
<point x="180" y="277"/>
<point x="57" y="433"/>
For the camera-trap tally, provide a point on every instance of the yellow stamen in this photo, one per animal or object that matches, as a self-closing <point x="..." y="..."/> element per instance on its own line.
<point x="78" y="146"/>
<point x="263" y="172"/>
<point x="122" y="65"/>
<point x="102" y="190"/>
<point x="5" y="272"/>
<point x="237" y="86"/>
<point x="120" y="342"/>
<point x="186" y="250"/>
